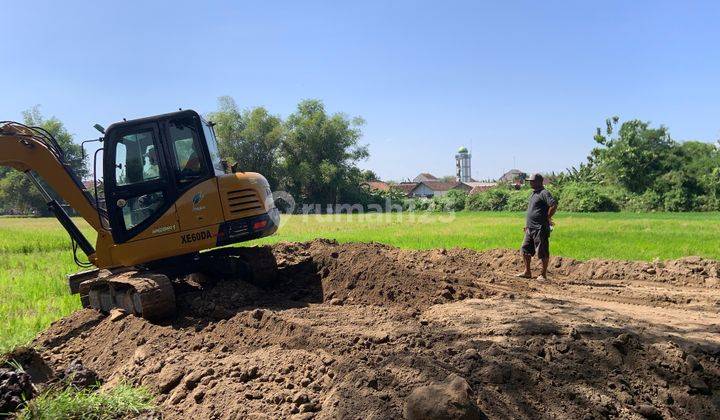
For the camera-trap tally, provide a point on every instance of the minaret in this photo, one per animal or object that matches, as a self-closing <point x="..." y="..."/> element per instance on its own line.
<point x="462" y="165"/>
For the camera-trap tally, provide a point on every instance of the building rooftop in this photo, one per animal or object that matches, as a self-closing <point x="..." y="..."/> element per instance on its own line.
<point x="425" y="177"/>
<point x="377" y="185"/>
<point x="513" y="175"/>
<point x="439" y="185"/>
<point x="406" y="186"/>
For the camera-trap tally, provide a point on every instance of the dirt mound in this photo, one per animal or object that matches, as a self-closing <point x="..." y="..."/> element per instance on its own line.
<point x="352" y="330"/>
<point x="376" y="274"/>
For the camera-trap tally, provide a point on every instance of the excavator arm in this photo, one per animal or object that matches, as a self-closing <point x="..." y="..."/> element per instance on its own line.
<point x="33" y="151"/>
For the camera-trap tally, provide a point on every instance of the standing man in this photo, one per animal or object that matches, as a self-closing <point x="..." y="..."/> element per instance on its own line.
<point x="541" y="208"/>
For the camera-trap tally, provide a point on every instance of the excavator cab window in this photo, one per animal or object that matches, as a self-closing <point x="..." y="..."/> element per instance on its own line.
<point x="138" y="189"/>
<point x="188" y="162"/>
<point x="138" y="209"/>
<point x="213" y="148"/>
<point x="137" y="159"/>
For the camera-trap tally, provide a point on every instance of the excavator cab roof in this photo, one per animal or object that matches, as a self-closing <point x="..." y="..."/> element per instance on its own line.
<point x="155" y="118"/>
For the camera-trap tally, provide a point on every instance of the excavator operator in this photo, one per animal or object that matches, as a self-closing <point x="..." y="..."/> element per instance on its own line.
<point x="192" y="166"/>
<point x="151" y="169"/>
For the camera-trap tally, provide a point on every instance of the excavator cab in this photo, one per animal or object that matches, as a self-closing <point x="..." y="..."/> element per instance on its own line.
<point x="150" y="163"/>
<point x="167" y="192"/>
<point x="169" y="204"/>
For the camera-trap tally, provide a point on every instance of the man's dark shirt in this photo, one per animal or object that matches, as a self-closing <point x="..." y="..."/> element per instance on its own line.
<point x="537" y="211"/>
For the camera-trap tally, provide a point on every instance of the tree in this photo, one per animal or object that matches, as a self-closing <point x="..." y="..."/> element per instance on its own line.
<point x="17" y="193"/>
<point x="250" y="138"/>
<point x="369" y="175"/>
<point x="228" y="126"/>
<point x="636" y="156"/>
<point x="700" y="160"/>
<point x="319" y="154"/>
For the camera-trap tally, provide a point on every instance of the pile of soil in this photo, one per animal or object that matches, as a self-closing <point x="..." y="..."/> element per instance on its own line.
<point x="368" y="330"/>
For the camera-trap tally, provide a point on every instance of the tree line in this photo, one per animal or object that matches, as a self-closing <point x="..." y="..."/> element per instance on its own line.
<point x="634" y="167"/>
<point x="313" y="155"/>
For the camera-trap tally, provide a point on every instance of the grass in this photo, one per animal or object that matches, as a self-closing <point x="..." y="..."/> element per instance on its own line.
<point x="631" y="236"/>
<point x="119" y="402"/>
<point x="35" y="254"/>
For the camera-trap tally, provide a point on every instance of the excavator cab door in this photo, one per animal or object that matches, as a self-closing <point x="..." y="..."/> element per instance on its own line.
<point x="137" y="184"/>
<point x="149" y="164"/>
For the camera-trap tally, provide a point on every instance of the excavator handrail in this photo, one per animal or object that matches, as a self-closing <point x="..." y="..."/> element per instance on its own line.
<point x="37" y="133"/>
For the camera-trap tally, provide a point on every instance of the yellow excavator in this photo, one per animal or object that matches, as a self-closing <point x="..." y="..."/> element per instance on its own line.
<point x="167" y="197"/>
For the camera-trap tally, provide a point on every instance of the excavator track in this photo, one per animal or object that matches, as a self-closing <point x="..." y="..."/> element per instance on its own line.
<point x="256" y="265"/>
<point x="149" y="292"/>
<point x="145" y="294"/>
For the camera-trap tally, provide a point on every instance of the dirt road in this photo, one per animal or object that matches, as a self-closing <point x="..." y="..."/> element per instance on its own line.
<point x="350" y="331"/>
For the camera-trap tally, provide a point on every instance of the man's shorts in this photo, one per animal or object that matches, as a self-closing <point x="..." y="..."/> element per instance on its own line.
<point x="537" y="241"/>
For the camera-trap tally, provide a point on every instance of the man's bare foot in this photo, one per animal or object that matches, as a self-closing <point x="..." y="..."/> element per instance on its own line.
<point x="542" y="277"/>
<point x="524" y="275"/>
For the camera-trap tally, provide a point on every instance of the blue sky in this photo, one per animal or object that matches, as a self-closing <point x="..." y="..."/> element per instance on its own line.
<point x="523" y="82"/>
